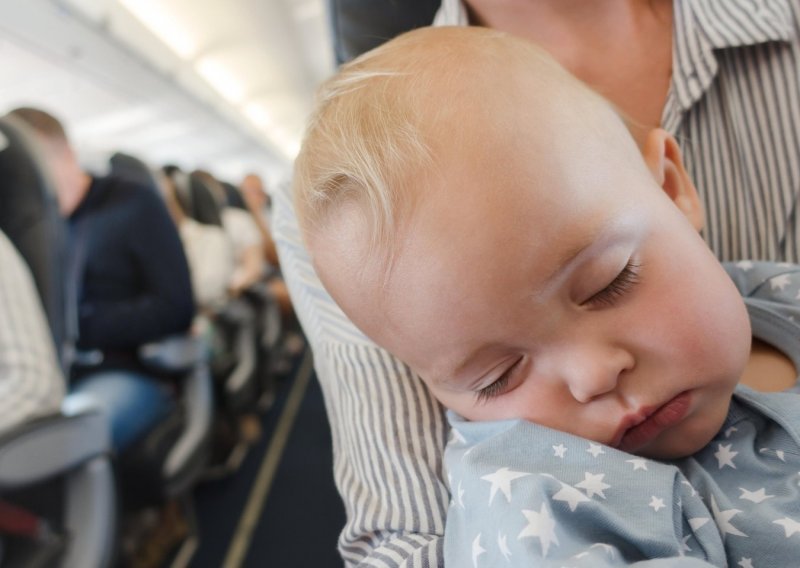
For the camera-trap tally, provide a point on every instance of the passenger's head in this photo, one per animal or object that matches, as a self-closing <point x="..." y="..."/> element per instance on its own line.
<point x="254" y="192"/>
<point x="70" y="180"/>
<point x="487" y="218"/>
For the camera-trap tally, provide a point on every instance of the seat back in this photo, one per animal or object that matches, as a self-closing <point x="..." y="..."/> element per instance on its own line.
<point x="29" y="217"/>
<point x="233" y="196"/>
<point x="74" y="444"/>
<point x="360" y="25"/>
<point x="131" y="168"/>
<point x="205" y="207"/>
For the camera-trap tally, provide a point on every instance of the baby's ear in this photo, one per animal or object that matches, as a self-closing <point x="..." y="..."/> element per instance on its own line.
<point x="663" y="157"/>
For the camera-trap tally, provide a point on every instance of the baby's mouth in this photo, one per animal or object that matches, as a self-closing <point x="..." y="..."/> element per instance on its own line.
<point x="638" y="429"/>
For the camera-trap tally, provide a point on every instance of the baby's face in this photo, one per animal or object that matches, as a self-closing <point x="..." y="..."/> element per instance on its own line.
<point x="551" y="279"/>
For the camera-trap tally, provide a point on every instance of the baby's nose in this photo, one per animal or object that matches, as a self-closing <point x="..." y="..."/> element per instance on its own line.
<point x="594" y="370"/>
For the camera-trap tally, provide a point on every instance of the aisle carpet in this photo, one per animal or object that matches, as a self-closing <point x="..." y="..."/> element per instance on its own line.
<point x="302" y="513"/>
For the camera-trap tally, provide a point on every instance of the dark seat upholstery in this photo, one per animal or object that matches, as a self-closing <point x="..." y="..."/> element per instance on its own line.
<point x="29" y="218"/>
<point x="360" y="25"/>
<point x="132" y="169"/>
<point x="205" y="207"/>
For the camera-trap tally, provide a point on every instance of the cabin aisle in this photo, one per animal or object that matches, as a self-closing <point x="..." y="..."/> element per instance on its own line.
<point x="281" y="508"/>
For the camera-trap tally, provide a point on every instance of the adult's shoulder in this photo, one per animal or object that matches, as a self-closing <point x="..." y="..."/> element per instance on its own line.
<point x="112" y="191"/>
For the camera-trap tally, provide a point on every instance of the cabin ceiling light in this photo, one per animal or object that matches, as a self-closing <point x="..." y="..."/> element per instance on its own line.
<point x="221" y="79"/>
<point x="164" y="24"/>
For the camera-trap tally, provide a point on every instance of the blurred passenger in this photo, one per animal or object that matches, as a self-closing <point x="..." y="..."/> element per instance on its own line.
<point x="31" y="383"/>
<point x="208" y="249"/>
<point x="258" y="202"/>
<point x="132" y="283"/>
<point x="245" y="237"/>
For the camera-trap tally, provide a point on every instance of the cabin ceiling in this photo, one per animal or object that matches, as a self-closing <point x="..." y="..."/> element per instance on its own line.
<point x="220" y="84"/>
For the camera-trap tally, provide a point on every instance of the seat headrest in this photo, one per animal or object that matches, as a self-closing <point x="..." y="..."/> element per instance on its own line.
<point x="205" y="206"/>
<point x="29" y="216"/>
<point x="360" y="25"/>
<point x="132" y="169"/>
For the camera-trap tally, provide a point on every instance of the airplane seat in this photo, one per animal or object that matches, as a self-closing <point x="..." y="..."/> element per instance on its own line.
<point x="236" y="320"/>
<point x="168" y="461"/>
<point x="205" y="208"/>
<point x="269" y="326"/>
<point x="72" y="446"/>
<point x="360" y="25"/>
<point x="131" y="168"/>
<point x="172" y="456"/>
<point x="235" y="355"/>
<point x="233" y="196"/>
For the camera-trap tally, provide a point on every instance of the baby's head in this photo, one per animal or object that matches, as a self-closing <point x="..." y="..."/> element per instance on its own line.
<point x="488" y="219"/>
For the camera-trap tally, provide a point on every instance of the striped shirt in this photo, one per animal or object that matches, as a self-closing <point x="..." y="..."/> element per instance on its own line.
<point x="734" y="103"/>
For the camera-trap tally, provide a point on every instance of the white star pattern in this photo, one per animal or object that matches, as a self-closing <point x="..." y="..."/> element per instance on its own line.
<point x="501" y="479"/>
<point x="457" y="437"/>
<point x="570" y="495"/>
<point x="746" y="562"/>
<point x="789" y="525"/>
<point x="610" y="550"/>
<point x="780" y="454"/>
<point x="477" y="550"/>
<point x="593" y="484"/>
<point x="542" y="526"/>
<point x="730" y="431"/>
<point x="595" y="450"/>
<point x="460" y="498"/>
<point x="698" y="522"/>
<point x="638" y="464"/>
<point x="560" y="450"/>
<point x="503" y="544"/>
<point x="744" y="265"/>
<point x="694" y="491"/>
<point x="656" y="503"/>
<point x="685" y="544"/>
<point x="754" y="496"/>
<point x="725" y="456"/>
<point x="780" y="282"/>
<point x="723" y="520"/>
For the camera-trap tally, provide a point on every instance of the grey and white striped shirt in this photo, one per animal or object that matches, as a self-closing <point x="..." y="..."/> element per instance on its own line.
<point x="734" y="104"/>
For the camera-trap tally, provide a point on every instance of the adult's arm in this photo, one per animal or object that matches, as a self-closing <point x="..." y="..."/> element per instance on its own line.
<point x="388" y="433"/>
<point x="165" y="304"/>
<point x="31" y="383"/>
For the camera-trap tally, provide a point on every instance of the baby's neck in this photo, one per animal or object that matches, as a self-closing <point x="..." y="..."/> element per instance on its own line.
<point x="768" y="370"/>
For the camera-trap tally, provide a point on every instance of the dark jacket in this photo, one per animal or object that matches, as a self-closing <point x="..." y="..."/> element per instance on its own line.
<point x="135" y="286"/>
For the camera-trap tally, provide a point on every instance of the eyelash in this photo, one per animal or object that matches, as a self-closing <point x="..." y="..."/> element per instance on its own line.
<point x="498" y="387"/>
<point x="625" y="280"/>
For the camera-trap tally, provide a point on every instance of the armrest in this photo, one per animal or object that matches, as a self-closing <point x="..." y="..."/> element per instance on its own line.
<point x="174" y="354"/>
<point x="52" y="445"/>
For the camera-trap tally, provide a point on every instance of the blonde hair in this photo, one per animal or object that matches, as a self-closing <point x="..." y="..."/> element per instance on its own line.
<point x="371" y="135"/>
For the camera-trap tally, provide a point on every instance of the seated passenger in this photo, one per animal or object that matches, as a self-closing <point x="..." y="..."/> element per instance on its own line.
<point x="548" y="283"/>
<point x="31" y="383"/>
<point x="244" y="234"/>
<point x="208" y="249"/>
<point x="132" y="283"/>
<point x="258" y="202"/>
